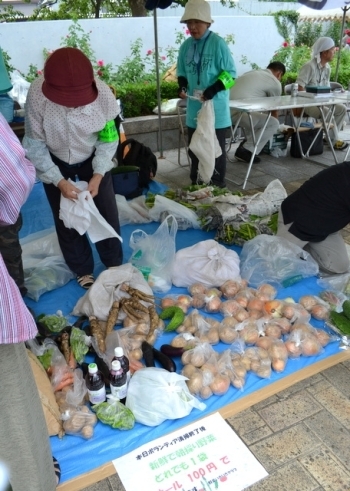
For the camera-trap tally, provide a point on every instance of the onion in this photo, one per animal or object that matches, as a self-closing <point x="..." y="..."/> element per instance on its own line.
<point x="323" y="337"/>
<point x="308" y="301"/>
<point x="255" y="304"/>
<point x="293" y="348"/>
<point x="197" y="288"/>
<point x="229" y="307"/>
<point x="229" y="322"/>
<point x="267" y="291"/>
<point x="264" y="342"/>
<point x="255" y="314"/>
<point x="274" y="308"/>
<point x="198" y="300"/>
<point x="273" y="331"/>
<point x="278" y="365"/>
<point x="212" y="304"/>
<point x="241" y="315"/>
<point x="167" y="302"/>
<point x="319" y="312"/>
<point x="220" y="385"/>
<point x="311" y="346"/>
<point x="230" y="288"/>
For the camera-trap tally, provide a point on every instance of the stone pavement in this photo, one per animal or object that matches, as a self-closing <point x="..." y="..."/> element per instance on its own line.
<point x="300" y="435"/>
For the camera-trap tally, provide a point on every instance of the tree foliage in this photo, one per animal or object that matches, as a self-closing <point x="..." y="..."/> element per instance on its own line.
<point x="85" y="9"/>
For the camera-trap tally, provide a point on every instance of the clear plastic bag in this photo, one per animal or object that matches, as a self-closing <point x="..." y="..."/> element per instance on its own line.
<point x="275" y="260"/>
<point x="154" y="255"/>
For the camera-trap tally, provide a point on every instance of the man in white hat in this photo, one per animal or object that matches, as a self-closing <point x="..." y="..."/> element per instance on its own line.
<point x="206" y="70"/>
<point x="317" y="72"/>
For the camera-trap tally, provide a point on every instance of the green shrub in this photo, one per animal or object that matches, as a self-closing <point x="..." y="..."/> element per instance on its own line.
<point x="140" y="99"/>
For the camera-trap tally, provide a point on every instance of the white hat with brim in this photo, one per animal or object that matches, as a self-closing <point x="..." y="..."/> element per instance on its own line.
<point x="197" y="10"/>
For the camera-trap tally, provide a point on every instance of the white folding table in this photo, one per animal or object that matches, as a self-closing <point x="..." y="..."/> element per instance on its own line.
<point x="268" y="104"/>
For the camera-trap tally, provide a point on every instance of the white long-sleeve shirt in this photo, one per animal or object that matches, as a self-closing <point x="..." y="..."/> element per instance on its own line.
<point x="71" y="134"/>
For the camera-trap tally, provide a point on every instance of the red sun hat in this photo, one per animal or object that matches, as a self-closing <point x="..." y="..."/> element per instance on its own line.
<point x="69" y="78"/>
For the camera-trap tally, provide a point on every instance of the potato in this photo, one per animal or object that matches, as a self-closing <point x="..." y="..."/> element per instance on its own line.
<point x="227" y="334"/>
<point x="205" y="392"/>
<point x="178" y="342"/>
<point x="142" y="328"/>
<point x="87" y="432"/>
<point x="136" y="354"/>
<point x="188" y="370"/>
<point x="186" y="357"/>
<point x="195" y="383"/>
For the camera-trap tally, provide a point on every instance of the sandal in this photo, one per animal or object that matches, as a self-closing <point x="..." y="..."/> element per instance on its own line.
<point x="340" y="145"/>
<point x="86" y="281"/>
<point x="57" y="469"/>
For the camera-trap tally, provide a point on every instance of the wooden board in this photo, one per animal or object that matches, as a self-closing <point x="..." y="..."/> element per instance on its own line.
<point x="229" y="410"/>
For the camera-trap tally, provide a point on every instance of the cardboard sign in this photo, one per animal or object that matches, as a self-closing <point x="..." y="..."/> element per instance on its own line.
<point x="204" y="456"/>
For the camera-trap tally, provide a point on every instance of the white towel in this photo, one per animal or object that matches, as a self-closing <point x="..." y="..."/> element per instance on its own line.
<point x="82" y="215"/>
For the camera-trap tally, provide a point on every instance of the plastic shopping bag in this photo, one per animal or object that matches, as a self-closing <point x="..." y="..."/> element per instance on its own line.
<point x="206" y="262"/>
<point x="275" y="260"/>
<point x="154" y="395"/>
<point x="154" y="255"/>
<point x="204" y="143"/>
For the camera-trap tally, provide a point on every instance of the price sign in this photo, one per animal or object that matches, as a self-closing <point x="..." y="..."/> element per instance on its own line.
<point x="203" y="456"/>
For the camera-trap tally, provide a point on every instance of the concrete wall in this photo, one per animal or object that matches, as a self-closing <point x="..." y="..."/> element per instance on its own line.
<point x="256" y="37"/>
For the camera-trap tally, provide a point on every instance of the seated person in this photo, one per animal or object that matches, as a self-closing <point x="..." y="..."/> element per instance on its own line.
<point x="313" y="216"/>
<point x="257" y="83"/>
<point x="317" y="72"/>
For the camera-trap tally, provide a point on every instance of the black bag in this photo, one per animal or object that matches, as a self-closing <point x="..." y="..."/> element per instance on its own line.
<point x="142" y="157"/>
<point x="306" y="138"/>
<point x="126" y="181"/>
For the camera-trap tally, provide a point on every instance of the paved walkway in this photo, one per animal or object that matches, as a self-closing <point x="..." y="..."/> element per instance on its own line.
<point x="300" y="435"/>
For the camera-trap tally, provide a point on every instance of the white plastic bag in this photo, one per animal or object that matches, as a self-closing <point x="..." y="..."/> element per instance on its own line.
<point x="154" y="395"/>
<point x="207" y="262"/>
<point x="154" y="255"/>
<point x="204" y="143"/>
<point x="100" y="296"/>
<point x="179" y="211"/>
<point x="167" y="107"/>
<point x="20" y="87"/>
<point x="275" y="260"/>
<point x="128" y="214"/>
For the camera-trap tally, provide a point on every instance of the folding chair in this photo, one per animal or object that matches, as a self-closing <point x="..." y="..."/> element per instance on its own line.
<point x="183" y="133"/>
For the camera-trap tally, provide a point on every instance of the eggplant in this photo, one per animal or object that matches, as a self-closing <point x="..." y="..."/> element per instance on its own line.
<point x="171" y="351"/>
<point x="148" y="355"/>
<point x="151" y="354"/>
<point x="166" y="362"/>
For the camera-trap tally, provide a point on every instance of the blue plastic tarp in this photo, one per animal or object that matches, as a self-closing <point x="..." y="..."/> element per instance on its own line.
<point x="78" y="456"/>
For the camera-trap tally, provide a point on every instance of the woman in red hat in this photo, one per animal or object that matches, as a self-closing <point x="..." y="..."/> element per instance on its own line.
<point x="70" y="134"/>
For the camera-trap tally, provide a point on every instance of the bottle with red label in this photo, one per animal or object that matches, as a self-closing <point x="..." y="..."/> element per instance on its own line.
<point x="95" y="384"/>
<point x="117" y="381"/>
<point x="124" y="362"/>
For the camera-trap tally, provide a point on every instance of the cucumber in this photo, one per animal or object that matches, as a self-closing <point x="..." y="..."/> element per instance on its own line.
<point x="176" y="315"/>
<point x="340" y="321"/>
<point x="346" y="308"/>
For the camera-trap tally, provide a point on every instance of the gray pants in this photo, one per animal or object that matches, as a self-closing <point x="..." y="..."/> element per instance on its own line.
<point x="24" y="440"/>
<point x="330" y="254"/>
<point x="258" y="120"/>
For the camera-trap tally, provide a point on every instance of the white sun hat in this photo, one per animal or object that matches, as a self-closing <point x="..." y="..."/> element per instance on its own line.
<point x="197" y="10"/>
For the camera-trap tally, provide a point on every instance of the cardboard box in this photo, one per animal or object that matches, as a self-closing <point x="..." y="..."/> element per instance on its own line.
<point x="278" y="140"/>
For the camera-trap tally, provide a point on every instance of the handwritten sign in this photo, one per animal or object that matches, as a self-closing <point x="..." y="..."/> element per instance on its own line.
<point x="204" y="456"/>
